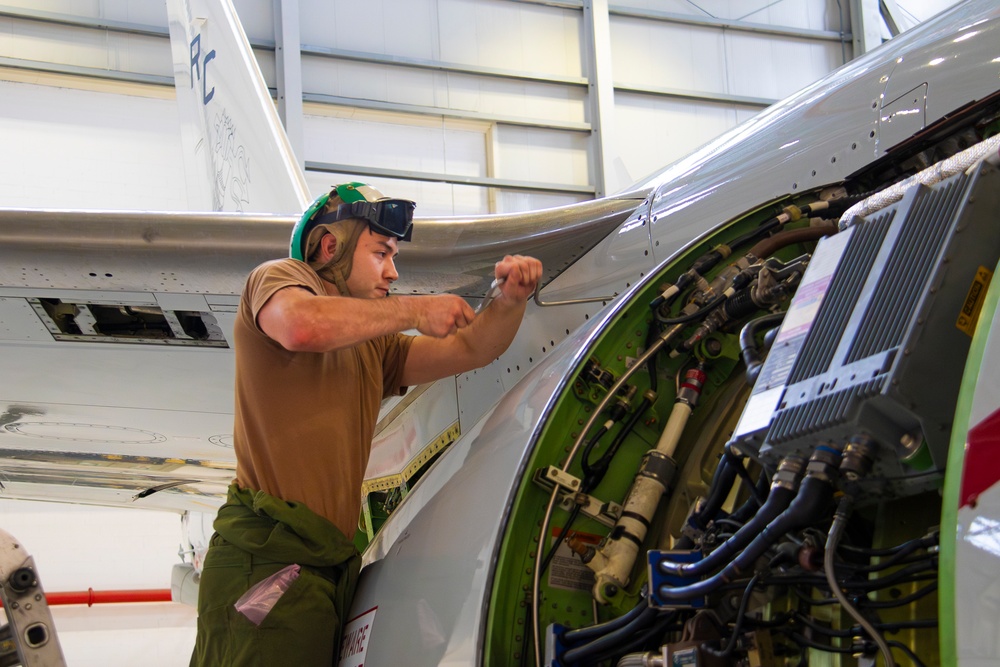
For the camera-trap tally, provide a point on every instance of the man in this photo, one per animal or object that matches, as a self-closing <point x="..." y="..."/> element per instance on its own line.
<point x="318" y="345"/>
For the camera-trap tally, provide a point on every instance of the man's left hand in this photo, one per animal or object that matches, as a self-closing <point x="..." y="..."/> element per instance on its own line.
<point x="520" y="275"/>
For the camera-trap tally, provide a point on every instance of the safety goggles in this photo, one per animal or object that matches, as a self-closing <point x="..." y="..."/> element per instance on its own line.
<point x="390" y="217"/>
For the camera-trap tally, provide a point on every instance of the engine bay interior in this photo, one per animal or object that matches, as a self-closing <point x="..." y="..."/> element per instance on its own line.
<point x="747" y="468"/>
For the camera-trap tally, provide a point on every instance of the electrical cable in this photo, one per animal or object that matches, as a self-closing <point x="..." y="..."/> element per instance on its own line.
<point x="584" y="634"/>
<point x="701" y="312"/>
<point x="776" y="503"/>
<point x="574" y="513"/>
<point x="738" y="625"/>
<point x="745" y="512"/>
<point x="547" y="515"/>
<point x="657" y="630"/>
<point x="899" y="602"/>
<point x="811" y="501"/>
<point x="804" y="641"/>
<point x="721" y="485"/>
<point x="595" y="472"/>
<point x="751" y="485"/>
<point x="748" y="344"/>
<point x="932" y="540"/>
<point x="904" y="551"/>
<point x="581" y="654"/>
<point x="854" y="630"/>
<point x="836" y="529"/>
<point x="909" y="653"/>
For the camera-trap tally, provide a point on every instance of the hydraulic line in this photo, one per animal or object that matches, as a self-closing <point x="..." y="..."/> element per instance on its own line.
<point x="770" y="245"/>
<point x="744" y="475"/>
<point x="748" y="346"/>
<point x="613" y="638"/>
<point x="592" y="631"/>
<point x="617" y="412"/>
<point x="836" y="529"/>
<point x="784" y="486"/>
<point x="662" y="340"/>
<point x="745" y="511"/>
<point x="612" y="563"/>
<point x="594" y="472"/>
<point x="738" y="625"/>
<point x="759" y="282"/>
<point x="810" y="504"/>
<point x="722" y="484"/>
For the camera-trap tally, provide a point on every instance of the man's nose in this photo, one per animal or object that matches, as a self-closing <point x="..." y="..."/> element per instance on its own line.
<point x="391" y="274"/>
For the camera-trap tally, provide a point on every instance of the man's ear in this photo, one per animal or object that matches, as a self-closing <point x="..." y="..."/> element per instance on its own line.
<point x="328" y="247"/>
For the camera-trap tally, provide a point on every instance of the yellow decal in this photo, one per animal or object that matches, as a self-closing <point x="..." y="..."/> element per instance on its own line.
<point x="969" y="316"/>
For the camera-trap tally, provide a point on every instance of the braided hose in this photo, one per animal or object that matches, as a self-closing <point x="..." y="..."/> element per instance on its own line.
<point x="985" y="150"/>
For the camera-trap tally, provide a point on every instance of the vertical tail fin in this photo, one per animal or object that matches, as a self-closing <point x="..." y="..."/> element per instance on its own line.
<point x="237" y="156"/>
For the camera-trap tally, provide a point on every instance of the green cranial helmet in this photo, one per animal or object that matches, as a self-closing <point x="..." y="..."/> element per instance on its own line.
<point x="390" y="217"/>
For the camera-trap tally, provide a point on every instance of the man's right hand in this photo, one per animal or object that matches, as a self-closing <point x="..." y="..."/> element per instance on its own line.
<point x="442" y="314"/>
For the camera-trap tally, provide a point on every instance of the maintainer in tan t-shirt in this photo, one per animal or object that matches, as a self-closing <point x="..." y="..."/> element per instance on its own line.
<point x="305" y="420"/>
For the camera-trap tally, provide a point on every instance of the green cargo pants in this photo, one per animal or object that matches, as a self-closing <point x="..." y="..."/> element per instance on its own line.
<point x="257" y="535"/>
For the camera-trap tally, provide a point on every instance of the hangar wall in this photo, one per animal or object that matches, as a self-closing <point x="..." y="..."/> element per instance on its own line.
<point x="466" y="106"/>
<point x="454" y="103"/>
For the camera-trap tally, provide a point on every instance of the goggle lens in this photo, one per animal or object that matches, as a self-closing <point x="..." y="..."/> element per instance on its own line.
<point x="391" y="217"/>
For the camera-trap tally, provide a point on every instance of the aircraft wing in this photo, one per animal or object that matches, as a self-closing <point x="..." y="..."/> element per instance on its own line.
<point x="115" y="326"/>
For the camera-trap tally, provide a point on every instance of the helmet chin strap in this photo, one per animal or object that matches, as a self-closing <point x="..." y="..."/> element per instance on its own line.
<point x="338" y="268"/>
<point x="335" y="275"/>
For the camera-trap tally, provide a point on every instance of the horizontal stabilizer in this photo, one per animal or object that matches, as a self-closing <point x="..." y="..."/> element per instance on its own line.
<point x="145" y="251"/>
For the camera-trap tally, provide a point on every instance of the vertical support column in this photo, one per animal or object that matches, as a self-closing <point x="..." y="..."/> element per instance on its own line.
<point x="288" y="72"/>
<point x="866" y="25"/>
<point x="601" y="93"/>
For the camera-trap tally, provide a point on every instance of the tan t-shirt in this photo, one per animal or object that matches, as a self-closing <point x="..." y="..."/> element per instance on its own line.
<point x="305" y="420"/>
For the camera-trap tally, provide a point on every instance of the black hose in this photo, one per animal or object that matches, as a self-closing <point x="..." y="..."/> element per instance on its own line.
<point x="748" y="344"/>
<point x="751" y="485"/>
<point x="660" y="627"/>
<point x="855" y="630"/>
<point x="594" y="472"/>
<point x="811" y="503"/>
<point x="574" y="513"/>
<point x="738" y="625"/>
<point x="684" y="319"/>
<point x="610" y="640"/>
<point x="777" y="503"/>
<point x="930" y="540"/>
<point x="909" y="653"/>
<point x="722" y="484"/>
<point x="902" y="553"/>
<point x="899" y="602"/>
<point x="744" y="512"/>
<point x="592" y="631"/>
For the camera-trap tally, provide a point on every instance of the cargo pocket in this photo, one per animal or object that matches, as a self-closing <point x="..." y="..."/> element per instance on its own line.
<point x="301" y="629"/>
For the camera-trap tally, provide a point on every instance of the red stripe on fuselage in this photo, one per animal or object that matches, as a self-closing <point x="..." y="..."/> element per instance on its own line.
<point x="982" y="460"/>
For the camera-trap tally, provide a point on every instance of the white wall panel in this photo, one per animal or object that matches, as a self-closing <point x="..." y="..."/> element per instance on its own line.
<point x="537" y="101"/>
<point x="257" y="18"/>
<point x="134" y="11"/>
<point x="667" y="55"/>
<point x="76" y="548"/>
<point x="86" y="149"/>
<point x="809" y="14"/>
<point x="793" y="64"/>
<point x="531" y="154"/>
<point x="512" y="200"/>
<point x="365" y="139"/>
<point x="82" y="47"/>
<point x="484" y="95"/>
<point x="511" y="35"/>
<point x="655" y="131"/>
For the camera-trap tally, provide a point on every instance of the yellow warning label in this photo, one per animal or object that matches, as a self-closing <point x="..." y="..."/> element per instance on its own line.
<point x="969" y="316"/>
